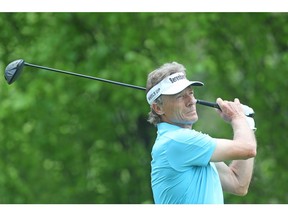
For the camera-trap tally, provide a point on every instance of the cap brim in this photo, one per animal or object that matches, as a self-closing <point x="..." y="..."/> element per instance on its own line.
<point x="181" y="85"/>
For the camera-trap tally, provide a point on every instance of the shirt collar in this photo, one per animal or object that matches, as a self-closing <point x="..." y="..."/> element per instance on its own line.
<point x="164" y="127"/>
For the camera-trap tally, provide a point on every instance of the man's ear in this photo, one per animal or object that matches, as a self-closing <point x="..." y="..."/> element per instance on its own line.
<point x="157" y="109"/>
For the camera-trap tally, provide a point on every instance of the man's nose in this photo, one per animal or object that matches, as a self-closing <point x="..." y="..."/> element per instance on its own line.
<point x="190" y="100"/>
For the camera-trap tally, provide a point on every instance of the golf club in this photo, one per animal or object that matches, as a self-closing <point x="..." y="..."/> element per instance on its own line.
<point x="14" y="69"/>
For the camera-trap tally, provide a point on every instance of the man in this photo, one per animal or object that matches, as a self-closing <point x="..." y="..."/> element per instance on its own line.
<point x="188" y="166"/>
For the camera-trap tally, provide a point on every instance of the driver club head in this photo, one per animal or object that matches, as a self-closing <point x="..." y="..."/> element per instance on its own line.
<point x="13" y="70"/>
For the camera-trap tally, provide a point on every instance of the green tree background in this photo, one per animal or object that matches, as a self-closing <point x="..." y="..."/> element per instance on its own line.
<point x="71" y="140"/>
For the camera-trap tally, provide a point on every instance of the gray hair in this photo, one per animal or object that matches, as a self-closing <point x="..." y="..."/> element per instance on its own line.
<point x="156" y="77"/>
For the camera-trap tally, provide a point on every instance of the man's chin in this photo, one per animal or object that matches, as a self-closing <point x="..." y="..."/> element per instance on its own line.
<point x="189" y="122"/>
<point x="192" y="119"/>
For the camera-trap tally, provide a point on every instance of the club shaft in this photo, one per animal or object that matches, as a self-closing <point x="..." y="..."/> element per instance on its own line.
<point x="210" y="104"/>
<point x="202" y="102"/>
<point x="84" y="76"/>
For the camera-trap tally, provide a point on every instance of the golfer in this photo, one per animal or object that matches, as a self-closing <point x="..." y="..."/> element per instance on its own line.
<point x="189" y="166"/>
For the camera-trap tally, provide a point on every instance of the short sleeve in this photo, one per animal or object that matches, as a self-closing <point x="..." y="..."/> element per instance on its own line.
<point x="189" y="148"/>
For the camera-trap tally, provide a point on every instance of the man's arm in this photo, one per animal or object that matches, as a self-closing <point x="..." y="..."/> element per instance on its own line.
<point x="236" y="177"/>
<point x="243" y="145"/>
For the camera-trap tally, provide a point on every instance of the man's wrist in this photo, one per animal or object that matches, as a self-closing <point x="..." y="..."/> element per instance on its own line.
<point x="239" y="122"/>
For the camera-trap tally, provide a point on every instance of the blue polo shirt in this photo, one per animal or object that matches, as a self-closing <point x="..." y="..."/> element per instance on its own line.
<point x="180" y="168"/>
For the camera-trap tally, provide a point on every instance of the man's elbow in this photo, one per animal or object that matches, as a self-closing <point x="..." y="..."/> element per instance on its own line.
<point x="251" y="152"/>
<point x="242" y="191"/>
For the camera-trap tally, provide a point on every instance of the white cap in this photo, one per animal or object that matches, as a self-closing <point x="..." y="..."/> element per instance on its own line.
<point x="171" y="85"/>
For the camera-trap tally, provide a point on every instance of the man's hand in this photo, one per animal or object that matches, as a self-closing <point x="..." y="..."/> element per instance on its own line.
<point x="230" y="110"/>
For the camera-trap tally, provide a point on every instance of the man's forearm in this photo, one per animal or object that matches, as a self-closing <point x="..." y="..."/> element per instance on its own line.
<point x="244" y="134"/>
<point x="243" y="171"/>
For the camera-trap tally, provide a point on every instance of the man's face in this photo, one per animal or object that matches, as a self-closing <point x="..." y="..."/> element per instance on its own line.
<point x="180" y="109"/>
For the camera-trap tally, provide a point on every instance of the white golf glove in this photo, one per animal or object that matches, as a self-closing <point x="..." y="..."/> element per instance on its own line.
<point x="251" y="123"/>
<point x="249" y="112"/>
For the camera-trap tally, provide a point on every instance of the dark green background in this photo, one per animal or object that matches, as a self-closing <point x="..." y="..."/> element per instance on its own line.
<point x="69" y="140"/>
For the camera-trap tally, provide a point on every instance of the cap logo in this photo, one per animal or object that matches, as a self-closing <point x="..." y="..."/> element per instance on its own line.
<point x="153" y="94"/>
<point x="177" y="78"/>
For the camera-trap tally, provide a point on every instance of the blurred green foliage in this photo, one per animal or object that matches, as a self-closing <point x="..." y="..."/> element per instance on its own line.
<point x="71" y="140"/>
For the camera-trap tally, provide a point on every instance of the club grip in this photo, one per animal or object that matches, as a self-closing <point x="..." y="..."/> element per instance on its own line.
<point x="215" y="105"/>
<point x="210" y="104"/>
